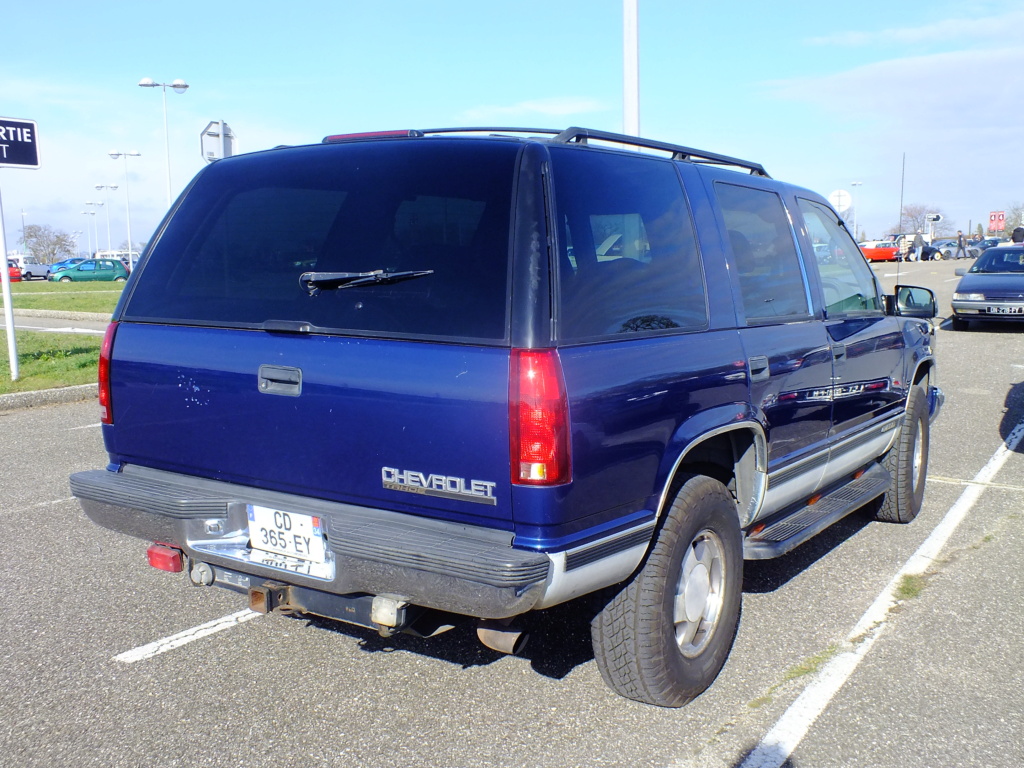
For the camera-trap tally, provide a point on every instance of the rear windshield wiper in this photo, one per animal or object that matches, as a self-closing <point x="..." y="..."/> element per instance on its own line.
<point x="314" y="281"/>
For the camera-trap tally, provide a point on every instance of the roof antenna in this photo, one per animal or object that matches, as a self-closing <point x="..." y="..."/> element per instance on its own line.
<point x="903" y="175"/>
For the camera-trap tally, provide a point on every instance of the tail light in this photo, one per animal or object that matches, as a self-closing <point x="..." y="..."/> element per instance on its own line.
<point x="106" y="411"/>
<point x="165" y="557"/>
<point x="538" y="419"/>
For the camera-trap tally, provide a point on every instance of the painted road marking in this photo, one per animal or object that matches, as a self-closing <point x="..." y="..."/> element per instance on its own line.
<point x="165" y="644"/>
<point x="778" y="745"/>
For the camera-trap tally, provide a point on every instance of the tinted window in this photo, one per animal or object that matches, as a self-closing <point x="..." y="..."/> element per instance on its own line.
<point x="233" y="253"/>
<point x="846" y="278"/>
<point x="628" y="256"/>
<point x="771" y="279"/>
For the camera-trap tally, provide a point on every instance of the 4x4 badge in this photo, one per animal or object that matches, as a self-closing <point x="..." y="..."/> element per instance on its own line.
<point x="445" y="486"/>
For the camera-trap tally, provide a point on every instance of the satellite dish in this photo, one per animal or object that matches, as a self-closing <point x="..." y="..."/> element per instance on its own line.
<point x="841" y="200"/>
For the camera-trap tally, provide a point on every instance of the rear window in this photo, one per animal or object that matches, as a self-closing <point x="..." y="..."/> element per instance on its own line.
<point x="250" y="227"/>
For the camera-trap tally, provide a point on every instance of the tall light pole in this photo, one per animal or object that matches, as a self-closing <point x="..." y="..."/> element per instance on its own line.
<point x="92" y="251"/>
<point x="178" y="86"/>
<point x="856" y="235"/>
<point x="95" y="226"/>
<point x="106" y="191"/>
<point x="630" y="69"/>
<point x="127" y="200"/>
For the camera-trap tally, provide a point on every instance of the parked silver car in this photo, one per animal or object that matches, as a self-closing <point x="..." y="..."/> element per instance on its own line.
<point x="948" y="249"/>
<point x="32" y="269"/>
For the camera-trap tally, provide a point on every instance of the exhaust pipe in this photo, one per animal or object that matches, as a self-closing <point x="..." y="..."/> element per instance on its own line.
<point x="499" y="635"/>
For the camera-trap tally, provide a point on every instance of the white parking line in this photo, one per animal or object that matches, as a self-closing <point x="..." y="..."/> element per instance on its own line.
<point x="778" y="744"/>
<point x="165" y="644"/>
<point x="84" y="426"/>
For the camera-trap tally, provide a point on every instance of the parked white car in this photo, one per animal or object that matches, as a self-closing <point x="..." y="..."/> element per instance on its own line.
<point x="32" y="269"/>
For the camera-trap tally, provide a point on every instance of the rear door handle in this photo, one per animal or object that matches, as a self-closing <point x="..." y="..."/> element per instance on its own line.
<point x="280" y="380"/>
<point x="759" y="368"/>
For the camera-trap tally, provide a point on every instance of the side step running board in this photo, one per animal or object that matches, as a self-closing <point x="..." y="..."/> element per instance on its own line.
<point x="793" y="529"/>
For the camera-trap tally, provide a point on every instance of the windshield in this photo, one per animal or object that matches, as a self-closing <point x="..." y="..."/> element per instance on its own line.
<point x="415" y="232"/>
<point x="1000" y="260"/>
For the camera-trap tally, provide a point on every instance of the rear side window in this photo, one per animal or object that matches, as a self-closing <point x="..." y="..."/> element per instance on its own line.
<point x="628" y="259"/>
<point x="234" y="251"/>
<point x="770" y="275"/>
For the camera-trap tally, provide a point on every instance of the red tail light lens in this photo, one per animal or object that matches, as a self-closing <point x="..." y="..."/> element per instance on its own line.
<point x="106" y="412"/>
<point x="165" y="557"/>
<point x="538" y="419"/>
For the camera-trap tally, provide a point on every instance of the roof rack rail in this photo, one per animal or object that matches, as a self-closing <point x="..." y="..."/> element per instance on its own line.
<point x="581" y="135"/>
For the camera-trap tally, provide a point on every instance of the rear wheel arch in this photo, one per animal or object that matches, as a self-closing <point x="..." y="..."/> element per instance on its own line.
<point x="736" y="456"/>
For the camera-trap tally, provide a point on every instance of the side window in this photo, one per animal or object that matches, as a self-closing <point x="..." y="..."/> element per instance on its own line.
<point x="628" y="260"/>
<point x="846" y="278"/>
<point x="87" y="266"/>
<point x="768" y="267"/>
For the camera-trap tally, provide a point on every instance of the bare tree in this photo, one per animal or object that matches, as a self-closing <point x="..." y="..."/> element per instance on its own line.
<point x="47" y="244"/>
<point x="914" y="219"/>
<point x="1014" y="217"/>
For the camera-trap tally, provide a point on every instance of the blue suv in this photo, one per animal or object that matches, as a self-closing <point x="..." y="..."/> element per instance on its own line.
<point x="486" y="372"/>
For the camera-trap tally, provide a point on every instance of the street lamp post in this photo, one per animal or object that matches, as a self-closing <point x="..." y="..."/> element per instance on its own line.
<point x="856" y="235"/>
<point x="106" y="191"/>
<point x="127" y="200"/>
<point x="88" y="232"/>
<point x="178" y="86"/>
<point x="95" y="226"/>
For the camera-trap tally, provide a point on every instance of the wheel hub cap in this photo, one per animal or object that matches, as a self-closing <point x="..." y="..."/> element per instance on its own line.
<point x="699" y="592"/>
<point x="695" y="597"/>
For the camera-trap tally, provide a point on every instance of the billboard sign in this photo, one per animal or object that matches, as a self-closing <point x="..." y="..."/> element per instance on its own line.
<point x="19" y="143"/>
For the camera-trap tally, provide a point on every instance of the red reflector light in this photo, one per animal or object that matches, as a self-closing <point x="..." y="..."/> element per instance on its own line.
<point x="165" y="558"/>
<point x="339" y="137"/>
<point x="106" y="411"/>
<point x="538" y="419"/>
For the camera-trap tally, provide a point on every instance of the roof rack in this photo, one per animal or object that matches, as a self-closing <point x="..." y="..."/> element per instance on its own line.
<point x="581" y="136"/>
<point x="678" y="152"/>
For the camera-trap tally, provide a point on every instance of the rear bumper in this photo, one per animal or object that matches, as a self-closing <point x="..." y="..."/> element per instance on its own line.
<point x="453" y="567"/>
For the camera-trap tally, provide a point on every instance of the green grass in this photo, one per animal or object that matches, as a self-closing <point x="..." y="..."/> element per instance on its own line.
<point x="48" y="360"/>
<point x="812" y="665"/>
<point x="910" y="586"/>
<point x="68" y="297"/>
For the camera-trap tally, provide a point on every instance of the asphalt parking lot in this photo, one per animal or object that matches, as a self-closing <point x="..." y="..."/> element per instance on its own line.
<point x="108" y="662"/>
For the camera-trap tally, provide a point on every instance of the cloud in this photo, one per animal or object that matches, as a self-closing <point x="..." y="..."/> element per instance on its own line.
<point x="955" y="117"/>
<point x="552" y="107"/>
<point x="944" y="86"/>
<point x="947" y="30"/>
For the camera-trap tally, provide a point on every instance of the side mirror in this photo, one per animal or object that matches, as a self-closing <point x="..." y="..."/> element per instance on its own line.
<point x="960" y="272"/>
<point x="912" y="301"/>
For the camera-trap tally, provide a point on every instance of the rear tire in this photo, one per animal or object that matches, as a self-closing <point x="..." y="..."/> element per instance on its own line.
<point x="907" y="462"/>
<point x="664" y="637"/>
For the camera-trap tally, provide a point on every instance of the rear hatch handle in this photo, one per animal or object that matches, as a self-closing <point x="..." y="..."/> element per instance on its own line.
<point x="280" y="380"/>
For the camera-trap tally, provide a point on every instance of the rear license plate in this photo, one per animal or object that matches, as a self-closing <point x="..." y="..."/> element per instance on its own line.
<point x="286" y="533"/>
<point x="1005" y="310"/>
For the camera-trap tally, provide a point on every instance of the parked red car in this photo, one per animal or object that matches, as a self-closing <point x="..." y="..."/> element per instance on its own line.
<point x="14" y="272"/>
<point x="880" y="250"/>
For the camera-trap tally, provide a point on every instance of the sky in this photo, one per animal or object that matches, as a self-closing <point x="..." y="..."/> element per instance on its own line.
<point x="917" y="100"/>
